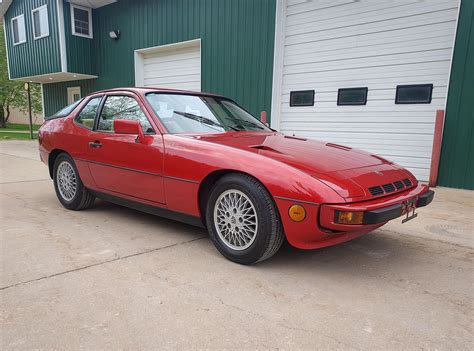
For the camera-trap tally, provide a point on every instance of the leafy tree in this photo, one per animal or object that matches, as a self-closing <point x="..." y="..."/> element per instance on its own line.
<point x="13" y="93"/>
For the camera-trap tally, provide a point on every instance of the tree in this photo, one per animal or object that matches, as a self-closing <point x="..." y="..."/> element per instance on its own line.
<point x="12" y="92"/>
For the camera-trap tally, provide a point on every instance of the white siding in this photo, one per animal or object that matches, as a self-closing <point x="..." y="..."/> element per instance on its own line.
<point x="327" y="45"/>
<point x="175" y="66"/>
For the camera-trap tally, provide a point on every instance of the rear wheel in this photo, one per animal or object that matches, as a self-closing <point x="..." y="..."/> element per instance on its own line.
<point x="68" y="185"/>
<point x="242" y="220"/>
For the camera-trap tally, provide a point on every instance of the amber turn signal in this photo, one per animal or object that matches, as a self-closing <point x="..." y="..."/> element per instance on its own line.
<point x="297" y="213"/>
<point x="343" y="217"/>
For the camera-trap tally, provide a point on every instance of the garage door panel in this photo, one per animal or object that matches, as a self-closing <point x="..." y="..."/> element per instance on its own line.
<point x="319" y="5"/>
<point x="313" y="15"/>
<point x="442" y="54"/>
<point x="402" y="13"/>
<point x="377" y="50"/>
<point x="178" y="79"/>
<point x="403" y="38"/>
<point x="396" y="24"/>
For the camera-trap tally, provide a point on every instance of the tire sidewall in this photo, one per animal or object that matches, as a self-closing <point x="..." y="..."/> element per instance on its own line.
<point x="76" y="200"/>
<point x="265" y="227"/>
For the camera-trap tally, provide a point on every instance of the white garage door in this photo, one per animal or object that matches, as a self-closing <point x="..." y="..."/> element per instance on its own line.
<point x="329" y="45"/>
<point x="175" y="66"/>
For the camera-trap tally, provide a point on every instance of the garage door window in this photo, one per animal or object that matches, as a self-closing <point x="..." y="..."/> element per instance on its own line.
<point x="122" y="107"/>
<point x="302" y="98"/>
<point x="414" y="94"/>
<point x="352" y="96"/>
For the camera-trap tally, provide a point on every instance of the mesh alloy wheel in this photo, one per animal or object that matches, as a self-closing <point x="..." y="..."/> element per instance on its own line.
<point x="67" y="180"/>
<point x="235" y="219"/>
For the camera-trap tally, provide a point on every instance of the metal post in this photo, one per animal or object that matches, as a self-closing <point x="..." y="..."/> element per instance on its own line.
<point x="29" y="110"/>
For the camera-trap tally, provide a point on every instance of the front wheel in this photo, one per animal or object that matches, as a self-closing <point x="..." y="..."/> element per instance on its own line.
<point x="242" y="220"/>
<point x="68" y="185"/>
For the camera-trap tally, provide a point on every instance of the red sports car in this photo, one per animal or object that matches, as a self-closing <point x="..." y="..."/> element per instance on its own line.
<point x="202" y="159"/>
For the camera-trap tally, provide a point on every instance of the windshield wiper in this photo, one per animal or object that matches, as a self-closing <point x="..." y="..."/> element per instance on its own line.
<point x="202" y="119"/>
<point x="249" y="123"/>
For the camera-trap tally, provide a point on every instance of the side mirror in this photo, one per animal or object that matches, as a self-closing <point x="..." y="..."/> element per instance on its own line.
<point x="125" y="126"/>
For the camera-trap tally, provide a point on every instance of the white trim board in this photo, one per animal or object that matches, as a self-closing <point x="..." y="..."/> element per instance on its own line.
<point x="61" y="33"/>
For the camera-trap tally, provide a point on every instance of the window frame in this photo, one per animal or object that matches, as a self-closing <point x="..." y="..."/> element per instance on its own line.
<point x="366" y="89"/>
<point x="13" y="32"/>
<point x="86" y="102"/>
<point x="101" y="107"/>
<point x="397" y="102"/>
<point x="33" y="22"/>
<point x="73" y="28"/>
<point x="302" y="91"/>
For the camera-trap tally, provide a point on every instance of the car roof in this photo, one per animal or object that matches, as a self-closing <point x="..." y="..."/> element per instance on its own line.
<point x="145" y="90"/>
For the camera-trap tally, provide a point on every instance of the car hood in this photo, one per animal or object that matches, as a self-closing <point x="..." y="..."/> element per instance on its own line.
<point x="350" y="172"/>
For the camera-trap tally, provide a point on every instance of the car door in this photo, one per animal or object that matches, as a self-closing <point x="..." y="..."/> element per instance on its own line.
<point x="118" y="163"/>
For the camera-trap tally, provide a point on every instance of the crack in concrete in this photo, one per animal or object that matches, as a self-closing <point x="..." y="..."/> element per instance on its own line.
<point x="101" y="263"/>
<point x="26" y="181"/>
<point x="23" y="157"/>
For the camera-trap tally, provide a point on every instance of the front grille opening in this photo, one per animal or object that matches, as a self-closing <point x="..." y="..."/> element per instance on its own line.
<point x="407" y="182"/>
<point x="376" y="190"/>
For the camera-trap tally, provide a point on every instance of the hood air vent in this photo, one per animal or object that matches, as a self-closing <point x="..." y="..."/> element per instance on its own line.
<point x="390" y="187"/>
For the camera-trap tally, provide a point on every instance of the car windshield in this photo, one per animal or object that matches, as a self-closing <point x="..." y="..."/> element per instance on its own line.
<point x="66" y="110"/>
<point x="182" y="113"/>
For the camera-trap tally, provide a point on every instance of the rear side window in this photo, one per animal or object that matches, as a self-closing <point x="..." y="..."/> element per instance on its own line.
<point x="122" y="107"/>
<point x="66" y="110"/>
<point x="87" y="115"/>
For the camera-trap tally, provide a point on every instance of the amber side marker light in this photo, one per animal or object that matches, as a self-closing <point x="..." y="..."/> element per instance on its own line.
<point x="297" y="213"/>
<point x="343" y="217"/>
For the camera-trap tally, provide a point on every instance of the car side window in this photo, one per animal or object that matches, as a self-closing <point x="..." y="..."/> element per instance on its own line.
<point x="122" y="107"/>
<point x="87" y="115"/>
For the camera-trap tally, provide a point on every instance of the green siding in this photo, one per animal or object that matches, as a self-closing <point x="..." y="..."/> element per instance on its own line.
<point x="79" y="50"/>
<point x="237" y="38"/>
<point x="457" y="153"/>
<point x="55" y="95"/>
<point x="35" y="57"/>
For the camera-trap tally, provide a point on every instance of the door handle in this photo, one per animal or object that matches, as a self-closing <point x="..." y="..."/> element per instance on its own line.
<point x="95" y="144"/>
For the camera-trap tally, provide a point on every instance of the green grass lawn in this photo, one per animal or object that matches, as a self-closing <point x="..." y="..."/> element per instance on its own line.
<point x="9" y="134"/>
<point x="14" y="126"/>
<point x="16" y="136"/>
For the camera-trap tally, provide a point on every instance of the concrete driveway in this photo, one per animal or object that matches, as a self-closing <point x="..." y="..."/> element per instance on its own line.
<point x="110" y="277"/>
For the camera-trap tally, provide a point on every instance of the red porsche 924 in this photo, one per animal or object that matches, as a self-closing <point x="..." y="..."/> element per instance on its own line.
<point x="201" y="159"/>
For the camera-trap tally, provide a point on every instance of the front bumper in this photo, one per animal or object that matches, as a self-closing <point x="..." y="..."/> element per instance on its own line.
<point x="377" y="211"/>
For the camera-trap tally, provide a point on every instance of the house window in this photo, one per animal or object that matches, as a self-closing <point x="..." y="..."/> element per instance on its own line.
<point x="18" y="30"/>
<point x="81" y="21"/>
<point x="40" y="22"/>
<point x="352" y="96"/>
<point x="414" y="94"/>
<point x="302" y="98"/>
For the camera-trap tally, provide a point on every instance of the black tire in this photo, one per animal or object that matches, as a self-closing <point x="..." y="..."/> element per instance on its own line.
<point x="82" y="198"/>
<point x="269" y="232"/>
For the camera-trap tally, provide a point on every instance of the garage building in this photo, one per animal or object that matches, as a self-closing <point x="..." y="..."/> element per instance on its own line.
<point x="366" y="74"/>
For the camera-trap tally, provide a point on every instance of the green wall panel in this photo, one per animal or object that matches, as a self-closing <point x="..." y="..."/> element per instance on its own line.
<point x="55" y="95"/>
<point x="35" y="57"/>
<point x="457" y="152"/>
<point x="237" y="38"/>
<point x="80" y="51"/>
